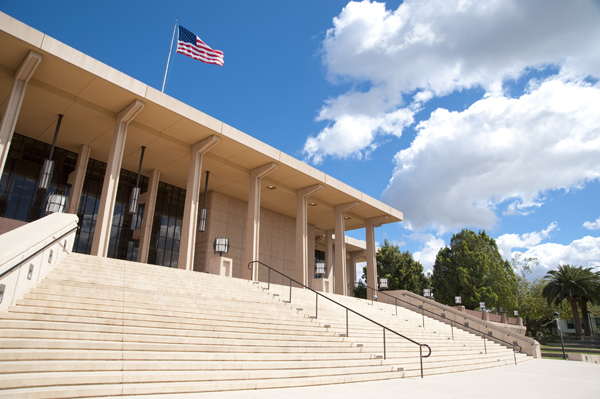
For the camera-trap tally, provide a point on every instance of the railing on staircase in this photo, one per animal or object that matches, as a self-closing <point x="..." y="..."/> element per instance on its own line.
<point x="39" y="251"/>
<point x="442" y="315"/>
<point x="318" y="294"/>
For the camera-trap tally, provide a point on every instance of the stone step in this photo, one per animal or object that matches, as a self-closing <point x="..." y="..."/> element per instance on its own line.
<point x="99" y="327"/>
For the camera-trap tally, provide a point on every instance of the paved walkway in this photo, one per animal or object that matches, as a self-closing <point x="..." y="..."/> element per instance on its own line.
<point x="542" y="379"/>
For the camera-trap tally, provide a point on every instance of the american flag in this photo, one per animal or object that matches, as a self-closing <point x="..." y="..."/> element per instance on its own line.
<point x="191" y="45"/>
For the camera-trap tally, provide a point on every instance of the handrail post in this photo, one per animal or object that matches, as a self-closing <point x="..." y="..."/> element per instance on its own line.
<point x="423" y="313"/>
<point x="316" y="306"/>
<point x="269" y="280"/>
<point x="421" y="356"/>
<point x="514" y="354"/>
<point x="290" y="290"/>
<point x="484" y="343"/>
<point x="384" y="351"/>
<point x="396" y="301"/>
<point x="452" y="329"/>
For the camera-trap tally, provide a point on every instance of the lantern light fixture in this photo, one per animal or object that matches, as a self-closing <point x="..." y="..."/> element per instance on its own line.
<point x="134" y="199"/>
<point x="57" y="203"/>
<point x="221" y="245"/>
<point x="48" y="166"/>
<point x="203" y="214"/>
<point x="320" y="269"/>
<point x="383" y="283"/>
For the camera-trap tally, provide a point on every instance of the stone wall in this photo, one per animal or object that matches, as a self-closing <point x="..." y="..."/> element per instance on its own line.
<point x="227" y="218"/>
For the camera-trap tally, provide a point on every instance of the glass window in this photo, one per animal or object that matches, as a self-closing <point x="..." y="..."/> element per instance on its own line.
<point x="20" y="198"/>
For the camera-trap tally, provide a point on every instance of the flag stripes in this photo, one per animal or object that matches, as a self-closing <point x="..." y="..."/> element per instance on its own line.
<point x="189" y="44"/>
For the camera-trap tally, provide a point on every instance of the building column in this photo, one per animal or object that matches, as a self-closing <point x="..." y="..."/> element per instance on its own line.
<point x="372" y="250"/>
<point x="252" y="246"/>
<point x="192" y="196"/>
<point x="351" y="273"/>
<point x="339" y="273"/>
<point x="111" y="179"/>
<point x="148" y="198"/>
<point x="329" y="261"/>
<point x="11" y="114"/>
<point x="301" y="269"/>
<point x="311" y="230"/>
<point x="77" y="178"/>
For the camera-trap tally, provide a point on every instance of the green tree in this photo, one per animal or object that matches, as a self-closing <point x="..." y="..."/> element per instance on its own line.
<point x="400" y="268"/>
<point x="471" y="267"/>
<point x="360" y="289"/>
<point x="593" y="296"/>
<point x="532" y="306"/>
<point x="572" y="284"/>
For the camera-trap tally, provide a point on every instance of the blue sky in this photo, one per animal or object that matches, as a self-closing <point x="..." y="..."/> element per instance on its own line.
<point x="462" y="114"/>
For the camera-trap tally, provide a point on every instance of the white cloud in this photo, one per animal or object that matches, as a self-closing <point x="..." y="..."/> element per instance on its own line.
<point x="354" y="135"/>
<point x="507" y="242"/>
<point x="435" y="47"/>
<point x="583" y="252"/>
<point x="428" y="252"/>
<point x="592" y="225"/>
<point x="463" y="165"/>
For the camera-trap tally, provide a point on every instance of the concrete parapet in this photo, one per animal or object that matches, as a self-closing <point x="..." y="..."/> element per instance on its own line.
<point x="497" y="332"/>
<point x="34" y="249"/>
<point x="582" y="357"/>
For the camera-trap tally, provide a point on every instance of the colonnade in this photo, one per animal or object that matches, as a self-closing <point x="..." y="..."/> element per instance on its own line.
<point x="341" y="273"/>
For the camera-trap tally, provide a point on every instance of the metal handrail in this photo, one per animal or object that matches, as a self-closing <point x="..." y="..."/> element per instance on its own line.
<point x="251" y="265"/>
<point x="423" y="310"/>
<point x="8" y="271"/>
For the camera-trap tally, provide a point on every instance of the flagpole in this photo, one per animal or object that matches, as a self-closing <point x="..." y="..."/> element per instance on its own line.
<point x="169" y="58"/>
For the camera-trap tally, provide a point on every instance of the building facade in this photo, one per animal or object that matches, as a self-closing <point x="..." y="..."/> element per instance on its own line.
<point x="94" y="123"/>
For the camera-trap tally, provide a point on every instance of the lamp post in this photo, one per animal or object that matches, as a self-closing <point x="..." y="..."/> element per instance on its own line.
<point x="561" y="335"/>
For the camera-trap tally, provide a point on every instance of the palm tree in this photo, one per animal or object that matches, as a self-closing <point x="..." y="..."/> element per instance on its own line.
<point x="572" y="284"/>
<point x="594" y="297"/>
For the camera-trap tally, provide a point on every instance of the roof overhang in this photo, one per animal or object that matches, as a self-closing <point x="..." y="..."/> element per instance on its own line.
<point x="90" y="94"/>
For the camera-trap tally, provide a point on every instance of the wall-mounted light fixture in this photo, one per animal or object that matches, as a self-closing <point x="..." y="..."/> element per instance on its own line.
<point x="202" y="216"/>
<point x="48" y="166"/>
<point x="383" y="283"/>
<point x="221" y="245"/>
<point x="57" y="203"/>
<point x="134" y="199"/>
<point x="320" y="269"/>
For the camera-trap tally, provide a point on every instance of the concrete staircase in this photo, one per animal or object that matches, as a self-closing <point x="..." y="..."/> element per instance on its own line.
<point x="101" y="327"/>
<point x="453" y="350"/>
